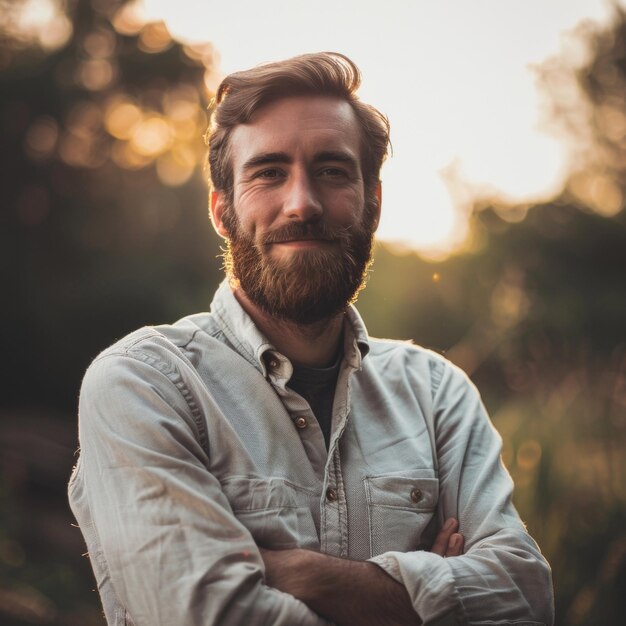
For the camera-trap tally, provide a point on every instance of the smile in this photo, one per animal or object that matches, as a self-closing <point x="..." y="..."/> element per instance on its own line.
<point x="302" y="243"/>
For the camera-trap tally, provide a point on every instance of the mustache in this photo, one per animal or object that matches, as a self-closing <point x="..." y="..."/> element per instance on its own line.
<point x="303" y="231"/>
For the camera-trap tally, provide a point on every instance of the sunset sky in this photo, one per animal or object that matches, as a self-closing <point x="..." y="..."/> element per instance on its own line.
<point x="458" y="81"/>
<point x="455" y="78"/>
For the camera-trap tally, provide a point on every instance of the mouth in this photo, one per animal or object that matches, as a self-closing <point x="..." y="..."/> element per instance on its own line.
<point x="303" y="243"/>
<point x="311" y="235"/>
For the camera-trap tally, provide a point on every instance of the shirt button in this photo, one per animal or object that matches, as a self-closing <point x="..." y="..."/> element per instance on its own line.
<point x="301" y="422"/>
<point x="416" y="495"/>
<point x="331" y="494"/>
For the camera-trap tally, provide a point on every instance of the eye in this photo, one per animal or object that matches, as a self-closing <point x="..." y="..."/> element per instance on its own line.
<point x="334" y="172"/>
<point x="269" y="173"/>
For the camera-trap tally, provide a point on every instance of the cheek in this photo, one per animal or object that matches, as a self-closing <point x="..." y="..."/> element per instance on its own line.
<point x="345" y="206"/>
<point x="255" y="209"/>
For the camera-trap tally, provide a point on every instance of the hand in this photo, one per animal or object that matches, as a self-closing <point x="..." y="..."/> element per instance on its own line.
<point x="449" y="542"/>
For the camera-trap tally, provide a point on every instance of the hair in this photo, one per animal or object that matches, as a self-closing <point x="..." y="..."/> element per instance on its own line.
<point x="331" y="74"/>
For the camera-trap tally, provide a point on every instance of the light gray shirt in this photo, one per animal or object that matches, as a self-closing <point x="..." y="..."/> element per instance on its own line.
<point x="194" y="452"/>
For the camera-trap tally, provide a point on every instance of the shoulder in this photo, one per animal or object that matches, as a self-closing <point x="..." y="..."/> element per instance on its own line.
<point x="148" y="376"/>
<point x="165" y="341"/>
<point x="167" y="348"/>
<point x="453" y="402"/>
<point x="405" y="358"/>
<point x="405" y="348"/>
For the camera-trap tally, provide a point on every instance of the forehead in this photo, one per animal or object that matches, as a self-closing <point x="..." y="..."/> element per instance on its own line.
<point x="298" y="126"/>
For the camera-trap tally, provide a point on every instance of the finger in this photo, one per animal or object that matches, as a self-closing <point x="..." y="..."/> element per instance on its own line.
<point x="455" y="545"/>
<point x="442" y="540"/>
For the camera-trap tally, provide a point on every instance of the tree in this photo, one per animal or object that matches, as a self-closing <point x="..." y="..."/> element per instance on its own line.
<point x="104" y="226"/>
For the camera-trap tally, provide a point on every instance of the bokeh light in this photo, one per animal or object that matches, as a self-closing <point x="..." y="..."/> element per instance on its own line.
<point x="42" y="22"/>
<point x="41" y="137"/>
<point x="122" y="117"/>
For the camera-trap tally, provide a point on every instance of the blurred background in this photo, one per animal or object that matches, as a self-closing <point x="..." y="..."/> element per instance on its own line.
<point x="510" y="260"/>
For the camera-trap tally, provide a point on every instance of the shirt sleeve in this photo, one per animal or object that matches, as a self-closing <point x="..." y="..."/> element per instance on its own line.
<point x="502" y="577"/>
<point x="166" y="534"/>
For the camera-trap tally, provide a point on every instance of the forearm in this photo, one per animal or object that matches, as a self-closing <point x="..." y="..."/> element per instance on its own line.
<point x="342" y="591"/>
<point x="351" y="592"/>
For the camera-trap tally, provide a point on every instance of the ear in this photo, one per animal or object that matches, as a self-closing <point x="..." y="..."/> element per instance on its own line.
<point x="378" y="192"/>
<point x="216" y="206"/>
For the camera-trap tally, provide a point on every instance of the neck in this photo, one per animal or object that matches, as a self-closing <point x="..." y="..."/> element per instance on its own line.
<point x="312" y="345"/>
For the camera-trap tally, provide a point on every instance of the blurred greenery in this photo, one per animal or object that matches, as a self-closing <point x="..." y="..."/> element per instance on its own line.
<point x="104" y="228"/>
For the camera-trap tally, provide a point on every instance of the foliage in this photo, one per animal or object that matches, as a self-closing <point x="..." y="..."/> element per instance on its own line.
<point x="104" y="199"/>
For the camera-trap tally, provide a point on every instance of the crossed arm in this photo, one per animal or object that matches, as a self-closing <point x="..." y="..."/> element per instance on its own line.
<point x="167" y="548"/>
<point x="350" y="592"/>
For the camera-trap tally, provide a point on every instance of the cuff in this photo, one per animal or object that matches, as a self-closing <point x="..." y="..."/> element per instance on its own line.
<point x="429" y="581"/>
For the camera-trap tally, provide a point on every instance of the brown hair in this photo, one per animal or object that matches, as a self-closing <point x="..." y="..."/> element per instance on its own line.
<point x="241" y="94"/>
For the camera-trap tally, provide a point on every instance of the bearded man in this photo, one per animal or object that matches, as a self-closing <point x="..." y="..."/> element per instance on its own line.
<point x="268" y="462"/>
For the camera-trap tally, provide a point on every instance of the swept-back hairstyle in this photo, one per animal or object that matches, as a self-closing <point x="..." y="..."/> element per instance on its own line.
<point x="241" y="94"/>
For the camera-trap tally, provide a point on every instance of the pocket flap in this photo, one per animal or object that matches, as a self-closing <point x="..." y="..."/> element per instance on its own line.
<point x="409" y="490"/>
<point x="256" y="494"/>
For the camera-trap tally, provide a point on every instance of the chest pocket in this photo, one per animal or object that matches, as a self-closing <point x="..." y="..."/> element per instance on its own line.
<point x="401" y="507"/>
<point x="275" y="511"/>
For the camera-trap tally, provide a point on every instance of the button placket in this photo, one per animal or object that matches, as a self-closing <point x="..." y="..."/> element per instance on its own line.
<point x="334" y="527"/>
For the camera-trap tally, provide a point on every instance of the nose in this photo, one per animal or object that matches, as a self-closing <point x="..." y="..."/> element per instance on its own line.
<point x="301" y="201"/>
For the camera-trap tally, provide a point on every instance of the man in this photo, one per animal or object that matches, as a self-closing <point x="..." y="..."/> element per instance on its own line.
<point x="267" y="462"/>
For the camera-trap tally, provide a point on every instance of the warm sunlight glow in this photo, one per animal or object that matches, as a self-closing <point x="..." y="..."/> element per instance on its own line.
<point x="169" y="138"/>
<point x="456" y="79"/>
<point x="598" y="191"/>
<point x="36" y="14"/>
<point x="129" y="19"/>
<point x="151" y="137"/>
<point x="39" y="21"/>
<point x="154" y="38"/>
<point x="121" y="118"/>
<point x="176" y="166"/>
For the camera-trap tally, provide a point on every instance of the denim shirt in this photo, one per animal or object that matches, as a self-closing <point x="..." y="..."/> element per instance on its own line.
<point x="194" y="452"/>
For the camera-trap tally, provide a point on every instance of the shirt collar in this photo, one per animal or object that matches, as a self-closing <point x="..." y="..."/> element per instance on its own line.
<point x="356" y="343"/>
<point x="241" y="331"/>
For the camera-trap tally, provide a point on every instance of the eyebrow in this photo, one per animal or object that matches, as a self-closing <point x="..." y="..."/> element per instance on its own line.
<point x="267" y="158"/>
<point x="336" y="155"/>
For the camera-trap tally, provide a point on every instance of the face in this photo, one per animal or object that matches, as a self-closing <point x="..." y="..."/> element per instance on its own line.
<point x="299" y="225"/>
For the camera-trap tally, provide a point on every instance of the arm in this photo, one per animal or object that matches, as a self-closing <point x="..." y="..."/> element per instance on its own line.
<point x="156" y="520"/>
<point x="502" y="577"/>
<point x="350" y="592"/>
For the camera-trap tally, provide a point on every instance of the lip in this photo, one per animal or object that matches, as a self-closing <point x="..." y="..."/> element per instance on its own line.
<point x="302" y="243"/>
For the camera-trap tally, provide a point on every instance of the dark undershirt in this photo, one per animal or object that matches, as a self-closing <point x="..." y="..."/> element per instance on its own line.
<point x="317" y="386"/>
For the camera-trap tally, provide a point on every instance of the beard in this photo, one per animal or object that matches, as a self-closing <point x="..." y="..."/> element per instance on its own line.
<point x="308" y="286"/>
